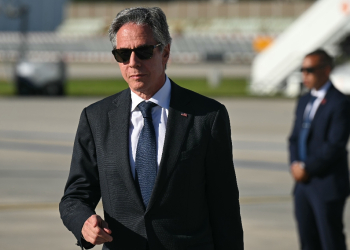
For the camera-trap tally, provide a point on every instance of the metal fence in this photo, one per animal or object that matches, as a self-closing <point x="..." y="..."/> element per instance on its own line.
<point x="193" y="10"/>
<point x="201" y="31"/>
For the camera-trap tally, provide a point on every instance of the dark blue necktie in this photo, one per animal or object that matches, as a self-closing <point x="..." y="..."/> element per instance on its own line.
<point x="304" y="132"/>
<point x="146" y="153"/>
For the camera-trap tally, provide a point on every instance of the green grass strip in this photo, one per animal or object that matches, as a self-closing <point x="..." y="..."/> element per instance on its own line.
<point x="6" y="89"/>
<point x="106" y="87"/>
<point x="228" y="87"/>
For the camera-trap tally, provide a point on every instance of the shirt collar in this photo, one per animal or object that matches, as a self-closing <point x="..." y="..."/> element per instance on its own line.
<point x="321" y="93"/>
<point x="161" y="98"/>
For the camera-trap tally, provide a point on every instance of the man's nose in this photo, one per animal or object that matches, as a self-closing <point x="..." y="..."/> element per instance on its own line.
<point x="134" y="60"/>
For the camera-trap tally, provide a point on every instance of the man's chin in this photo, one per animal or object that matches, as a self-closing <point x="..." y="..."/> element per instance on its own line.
<point x="137" y="84"/>
<point x="307" y="86"/>
<point x="139" y="87"/>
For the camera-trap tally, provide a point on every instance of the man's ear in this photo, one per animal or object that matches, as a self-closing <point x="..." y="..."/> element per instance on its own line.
<point x="166" y="54"/>
<point x="328" y="70"/>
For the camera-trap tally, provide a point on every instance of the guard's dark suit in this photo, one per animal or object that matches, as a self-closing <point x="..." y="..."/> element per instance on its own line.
<point x="319" y="203"/>
<point x="194" y="204"/>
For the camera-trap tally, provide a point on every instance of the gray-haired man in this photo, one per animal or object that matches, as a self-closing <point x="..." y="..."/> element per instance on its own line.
<point x="160" y="156"/>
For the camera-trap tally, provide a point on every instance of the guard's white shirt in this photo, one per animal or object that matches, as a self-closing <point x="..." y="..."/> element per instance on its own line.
<point x="320" y="94"/>
<point x="159" y="116"/>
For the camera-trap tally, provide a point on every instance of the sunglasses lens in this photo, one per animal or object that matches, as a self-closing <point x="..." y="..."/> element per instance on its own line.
<point x="122" y="55"/>
<point x="144" y="52"/>
<point x="308" y="70"/>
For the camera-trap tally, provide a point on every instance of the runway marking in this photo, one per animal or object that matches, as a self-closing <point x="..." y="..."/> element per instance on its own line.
<point x="57" y="143"/>
<point x="53" y="205"/>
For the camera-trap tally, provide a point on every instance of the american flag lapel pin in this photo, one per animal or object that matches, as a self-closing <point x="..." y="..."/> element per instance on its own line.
<point x="324" y="101"/>
<point x="184" y="114"/>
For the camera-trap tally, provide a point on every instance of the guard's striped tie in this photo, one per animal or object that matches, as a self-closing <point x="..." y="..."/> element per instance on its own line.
<point x="304" y="132"/>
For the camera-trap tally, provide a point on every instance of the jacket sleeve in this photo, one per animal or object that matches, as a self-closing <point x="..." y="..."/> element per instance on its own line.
<point x="82" y="191"/>
<point x="293" y="139"/>
<point x="335" y="141"/>
<point x="222" y="191"/>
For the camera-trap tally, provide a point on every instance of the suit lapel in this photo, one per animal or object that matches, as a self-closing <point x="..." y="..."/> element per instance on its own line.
<point x="179" y="119"/>
<point x="322" y="106"/>
<point x="303" y="101"/>
<point x="119" y="118"/>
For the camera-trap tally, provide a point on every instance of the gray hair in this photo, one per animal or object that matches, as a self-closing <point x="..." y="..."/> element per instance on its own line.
<point x="153" y="17"/>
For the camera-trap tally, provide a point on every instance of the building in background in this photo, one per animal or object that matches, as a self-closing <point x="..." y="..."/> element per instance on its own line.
<point x="227" y="33"/>
<point x="45" y="76"/>
<point x="43" y="15"/>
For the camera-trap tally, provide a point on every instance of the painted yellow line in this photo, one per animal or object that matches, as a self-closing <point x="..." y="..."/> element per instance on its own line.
<point x="43" y="206"/>
<point x="56" y="143"/>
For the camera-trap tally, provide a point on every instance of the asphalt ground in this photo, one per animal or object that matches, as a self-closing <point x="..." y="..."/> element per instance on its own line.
<point x="36" y="139"/>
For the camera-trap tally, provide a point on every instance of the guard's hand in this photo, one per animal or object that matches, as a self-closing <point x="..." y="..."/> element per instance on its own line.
<point x="96" y="231"/>
<point x="299" y="174"/>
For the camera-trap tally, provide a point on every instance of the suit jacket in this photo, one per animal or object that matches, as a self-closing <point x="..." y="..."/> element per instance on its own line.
<point x="326" y="162"/>
<point x="194" y="204"/>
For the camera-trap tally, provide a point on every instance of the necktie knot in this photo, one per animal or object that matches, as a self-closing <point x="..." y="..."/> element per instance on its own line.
<point x="146" y="108"/>
<point x="312" y="99"/>
<point x="310" y="104"/>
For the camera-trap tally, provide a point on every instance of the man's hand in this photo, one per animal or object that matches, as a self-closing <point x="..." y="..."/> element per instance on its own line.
<point x="299" y="174"/>
<point x="96" y="231"/>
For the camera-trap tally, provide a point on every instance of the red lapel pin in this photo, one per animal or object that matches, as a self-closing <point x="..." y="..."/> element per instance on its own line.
<point x="184" y="114"/>
<point x="324" y="101"/>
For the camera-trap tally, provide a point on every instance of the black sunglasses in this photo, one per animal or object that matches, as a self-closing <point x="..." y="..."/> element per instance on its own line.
<point x="143" y="52"/>
<point x="311" y="69"/>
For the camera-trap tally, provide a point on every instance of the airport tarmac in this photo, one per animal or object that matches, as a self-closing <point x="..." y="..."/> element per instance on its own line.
<point x="36" y="139"/>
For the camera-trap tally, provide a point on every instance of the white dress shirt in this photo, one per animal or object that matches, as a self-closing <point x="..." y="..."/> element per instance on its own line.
<point x="159" y="117"/>
<point x="320" y="94"/>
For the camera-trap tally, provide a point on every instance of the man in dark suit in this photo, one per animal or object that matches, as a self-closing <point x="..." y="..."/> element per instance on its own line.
<point x="318" y="157"/>
<point x="160" y="156"/>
